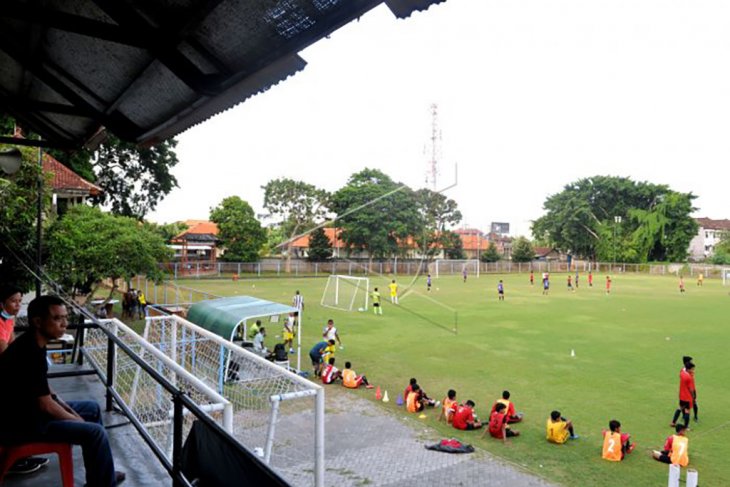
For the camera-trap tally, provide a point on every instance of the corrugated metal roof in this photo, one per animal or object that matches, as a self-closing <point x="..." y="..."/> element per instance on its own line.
<point x="149" y="69"/>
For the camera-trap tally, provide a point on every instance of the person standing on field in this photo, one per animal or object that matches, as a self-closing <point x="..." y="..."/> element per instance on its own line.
<point x="393" y="286"/>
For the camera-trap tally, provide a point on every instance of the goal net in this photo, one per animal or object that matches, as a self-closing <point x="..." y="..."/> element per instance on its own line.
<point x="444" y="267"/>
<point x="346" y="293"/>
<point x="275" y="413"/>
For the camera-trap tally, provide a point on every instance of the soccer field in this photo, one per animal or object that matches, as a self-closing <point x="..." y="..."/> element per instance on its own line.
<point x="628" y="353"/>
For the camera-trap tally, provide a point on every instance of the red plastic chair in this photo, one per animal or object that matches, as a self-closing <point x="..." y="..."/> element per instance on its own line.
<point x="11" y="454"/>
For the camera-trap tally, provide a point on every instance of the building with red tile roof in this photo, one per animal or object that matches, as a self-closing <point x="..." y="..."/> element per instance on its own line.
<point x="69" y="189"/>
<point x="199" y="242"/>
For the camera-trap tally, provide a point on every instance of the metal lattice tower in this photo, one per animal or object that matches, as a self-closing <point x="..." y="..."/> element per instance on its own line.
<point x="435" y="152"/>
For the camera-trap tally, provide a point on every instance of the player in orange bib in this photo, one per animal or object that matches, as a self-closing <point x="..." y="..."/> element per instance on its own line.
<point x="512" y="417"/>
<point x="676" y="449"/>
<point x="615" y="444"/>
<point x="351" y="380"/>
<point x="449" y="407"/>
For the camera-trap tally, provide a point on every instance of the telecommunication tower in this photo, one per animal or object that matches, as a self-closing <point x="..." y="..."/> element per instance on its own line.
<point x="435" y="150"/>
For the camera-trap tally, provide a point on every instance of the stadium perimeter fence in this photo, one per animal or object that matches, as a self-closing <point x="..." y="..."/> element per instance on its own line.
<point x="408" y="267"/>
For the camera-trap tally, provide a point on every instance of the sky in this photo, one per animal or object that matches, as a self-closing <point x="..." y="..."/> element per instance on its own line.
<point x="531" y="95"/>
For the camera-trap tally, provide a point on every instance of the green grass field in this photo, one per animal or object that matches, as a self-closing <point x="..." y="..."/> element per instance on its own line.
<point x="628" y="350"/>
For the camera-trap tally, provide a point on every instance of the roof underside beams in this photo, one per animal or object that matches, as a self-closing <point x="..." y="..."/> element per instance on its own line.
<point x="149" y="69"/>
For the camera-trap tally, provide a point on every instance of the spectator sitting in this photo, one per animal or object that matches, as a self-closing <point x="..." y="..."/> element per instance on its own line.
<point x="258" y="344"/>
<point x="37" y="414"/>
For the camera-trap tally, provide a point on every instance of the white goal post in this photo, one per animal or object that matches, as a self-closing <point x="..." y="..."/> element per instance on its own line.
<point x="455" y="267"/>
<point x="725" y="276"/>
<point x="346" y="292"/>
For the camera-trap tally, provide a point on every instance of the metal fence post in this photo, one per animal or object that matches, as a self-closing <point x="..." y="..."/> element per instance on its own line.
<point x="110" y="357"/>
<point x="258" y="269"/>
<point x="177" y="438"/>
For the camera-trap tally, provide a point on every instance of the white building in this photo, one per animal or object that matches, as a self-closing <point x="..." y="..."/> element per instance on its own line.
<point x="709" y="234"/>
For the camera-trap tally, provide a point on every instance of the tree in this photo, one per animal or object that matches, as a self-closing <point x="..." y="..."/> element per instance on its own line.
<point x="320" y="247"/>
<point x="522" y="250"/>
<point x="721" y="254"/>
<point x="491" y="254"/>
<point x="18" y="218"/>
<point x="581" y="220"/>
<point x="297" y="205"/>
<point x="453" y="246"/>
<point x="376" y="214"/>
<point x="167" y="231"/>
<point x="238" y="229"/>
<point x="86" y="246"/>
<point x="437" y="213"/>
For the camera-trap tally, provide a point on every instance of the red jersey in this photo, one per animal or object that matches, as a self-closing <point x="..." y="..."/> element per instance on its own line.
<point x="463" y="416"/>
<point x="510" y="407"/>
<point x="329" y="374"/>
<point x="686" y="387"/>
<point x="496" y="422"/>
<point x="408" y="390"/>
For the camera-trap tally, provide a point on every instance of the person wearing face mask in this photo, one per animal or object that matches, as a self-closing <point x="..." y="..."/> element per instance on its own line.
<point x="10" y="299"/>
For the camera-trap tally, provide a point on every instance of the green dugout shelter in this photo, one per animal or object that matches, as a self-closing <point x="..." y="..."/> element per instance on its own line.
<point x="224" y="316"/>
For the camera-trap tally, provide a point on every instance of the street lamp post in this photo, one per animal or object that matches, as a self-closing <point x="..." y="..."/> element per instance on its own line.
<point x="616" y="222"/>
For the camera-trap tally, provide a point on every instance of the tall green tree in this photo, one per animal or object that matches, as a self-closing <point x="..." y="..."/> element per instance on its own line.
<point x="167" y="231"/>
<point x="376" y="214"/>
<point x="240" y="232"/>
<point x="438" y="213"/>
<point x="491" y="254"/>
<point x="453" y="246"/>
<point x="18" y="218"/>
<point x="296" y="206"/>
<point x="522" y="250"/>
<point x="87" y="246"/>
<point x="581" y="220"/>
<point x="320" y="247"/>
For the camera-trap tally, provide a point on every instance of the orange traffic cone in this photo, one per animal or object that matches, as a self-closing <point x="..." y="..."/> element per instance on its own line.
<point x="378" y="395"/>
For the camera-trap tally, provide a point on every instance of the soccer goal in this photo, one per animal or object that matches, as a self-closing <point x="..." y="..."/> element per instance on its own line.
<point x="443" y="267"/>
<point x="725" y="276"/>
<point x="346" y="293"/>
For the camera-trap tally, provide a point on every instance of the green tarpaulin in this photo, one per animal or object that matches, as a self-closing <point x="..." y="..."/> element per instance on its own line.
<point x="222" y="316"/>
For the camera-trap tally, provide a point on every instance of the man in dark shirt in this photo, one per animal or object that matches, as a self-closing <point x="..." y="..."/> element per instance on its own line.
<point x="32" y="413"/>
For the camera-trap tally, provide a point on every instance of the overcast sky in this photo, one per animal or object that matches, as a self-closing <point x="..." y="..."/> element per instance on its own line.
<point x="532" y="94"/>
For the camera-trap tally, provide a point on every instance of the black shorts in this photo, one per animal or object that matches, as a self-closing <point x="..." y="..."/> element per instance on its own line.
<point x="684" y="404"/>
<point x="664" y="458"/>
<point x="470" y="427"/>
<point x="316" y="360"/>
<point x="500" y="292"/>
<point x="510" y="433"/>
<point x="376" y="305"/>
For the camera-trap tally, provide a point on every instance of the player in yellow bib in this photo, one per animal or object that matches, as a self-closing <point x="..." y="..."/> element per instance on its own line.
<point x="393" y="292"/>
<point x="559" y="429"/>
<point x="615" y="444"/>
<point x="449" y="407"/>
<point x="377" y="307"/>
<point x="676" y="449"/>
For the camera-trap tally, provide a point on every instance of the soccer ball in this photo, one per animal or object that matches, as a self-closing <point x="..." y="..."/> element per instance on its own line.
<point x="361" y="309"/>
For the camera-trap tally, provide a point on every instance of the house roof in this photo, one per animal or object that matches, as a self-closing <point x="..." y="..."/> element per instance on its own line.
<point x="148" y="70"/>
<point x="303" y="241"/>
<point x="543" y="251"/>
<point x="198" y="231"/>
<point x="710" y="224"/>
<point x="64" y="179"/>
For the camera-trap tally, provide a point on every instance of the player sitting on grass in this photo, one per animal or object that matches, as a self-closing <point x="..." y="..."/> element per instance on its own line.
<point x="352" y="380"/>
<point x="330" y="373"/>
<point x="448" y="408"/>
<point x="409" y="389"/>
<point x="676" y="449"/>
<point x="464" y="418"/>
<point x="511" y="416"/>
<point x="498" y="424"/>
<point x="417" y="400"/>
<point x="616" y="444"/>
<point x="559" y="429"/>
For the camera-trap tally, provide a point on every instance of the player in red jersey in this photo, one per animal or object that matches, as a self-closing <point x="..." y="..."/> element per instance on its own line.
<point x="686" y="394"/>
<point x="464" y="417"/>
<point x="498" y="424"/>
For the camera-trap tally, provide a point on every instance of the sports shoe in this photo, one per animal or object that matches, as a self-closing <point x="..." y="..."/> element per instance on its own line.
<point x="437" y="404"/>
<point x="631" y="448"/>
<point x="369" y="386"/>
<point x="574" y="437"/>
<point x="291" y="350"/>
<point x="24" y="467"/>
